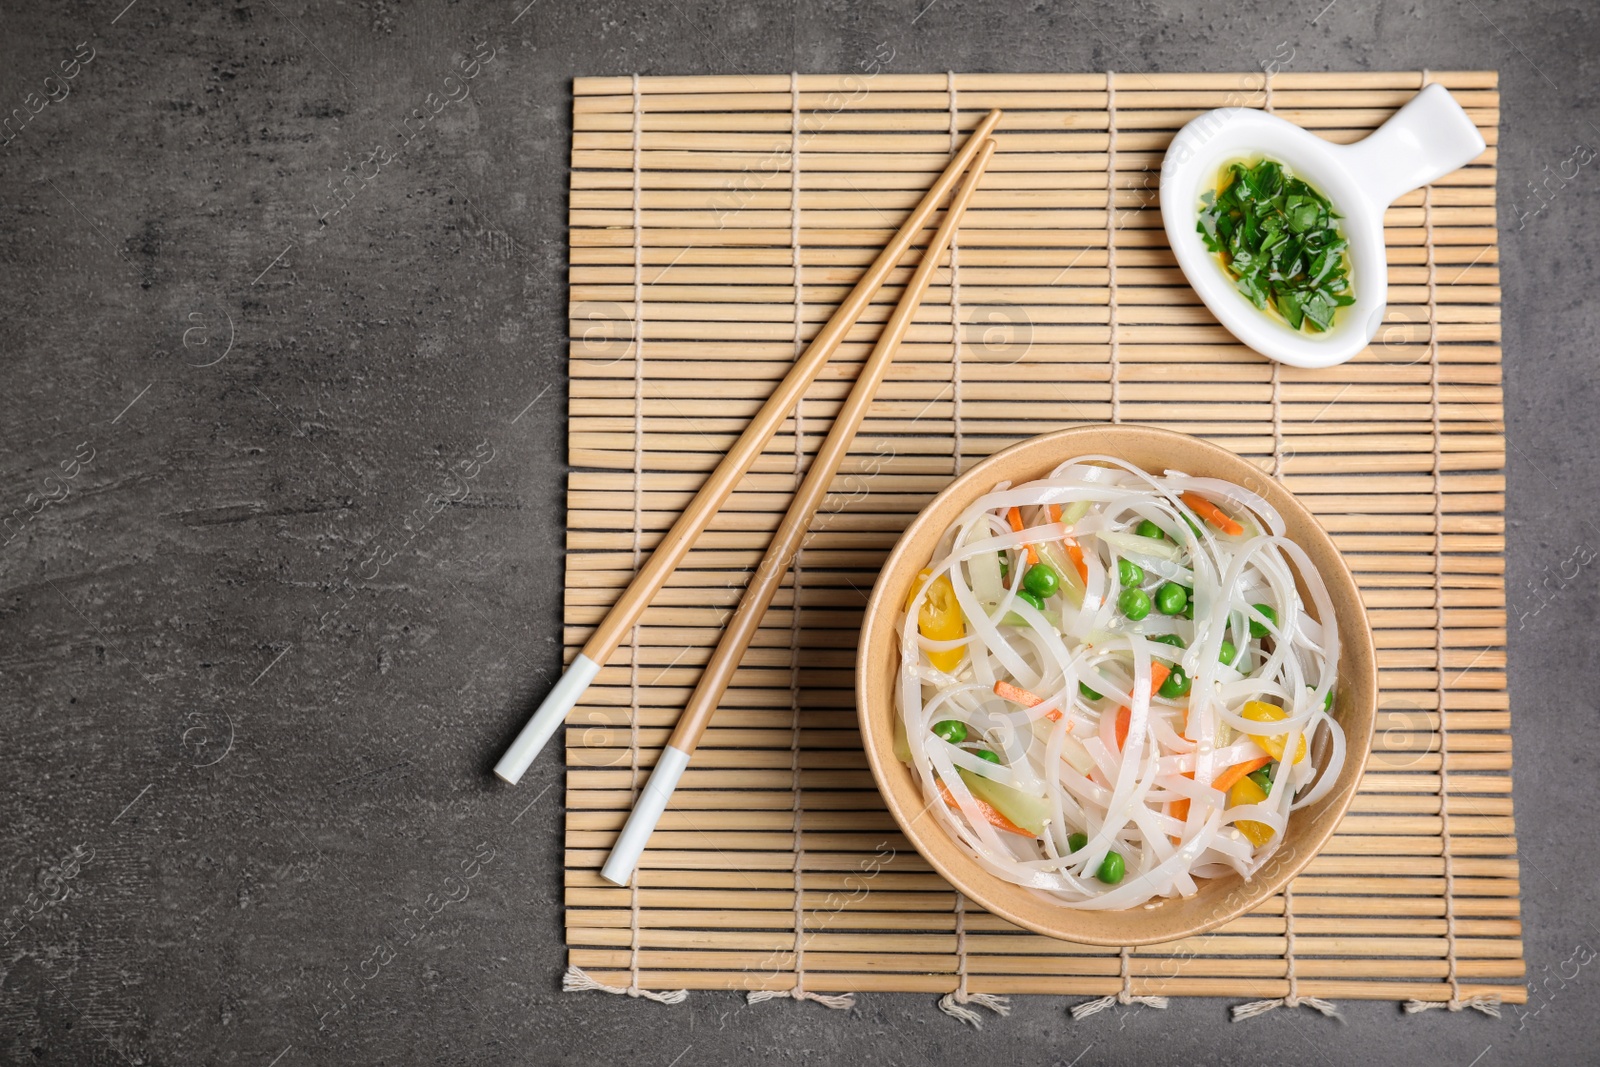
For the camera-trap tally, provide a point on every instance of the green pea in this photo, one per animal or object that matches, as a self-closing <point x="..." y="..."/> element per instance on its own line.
<point x="1031" y="597"/>
<point x="1129" y="572"/>
<point x="986" y="754"/>
<point x="1111" y="868"/>
<point x="1188" y="611"/>
<point x="1258" y="629"/>
<point x="1135" y="603"/>
<point x="1171" y="599"/>
<point x="1170" y="639"/>
<point x="1041" y="580"/>
<point x="1177" y="683"/>
<point x="1089" y="694"/>
<point x="1077" y="842"/>
<point x="951" y="730"/>
<point x="1146" y="528"/>
<point x="1227" y="654"/>
<point x="1005" y="565"/>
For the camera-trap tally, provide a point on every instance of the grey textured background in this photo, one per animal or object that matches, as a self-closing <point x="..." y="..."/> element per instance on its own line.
<point x="252" y="682"/>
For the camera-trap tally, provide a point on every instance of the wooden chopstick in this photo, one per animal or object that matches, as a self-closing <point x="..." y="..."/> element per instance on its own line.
<point x="746" y="450"/>
<point x="784" y="546"/>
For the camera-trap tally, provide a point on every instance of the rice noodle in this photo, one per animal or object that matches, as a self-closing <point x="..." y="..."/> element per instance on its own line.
<point x="1064" y="753"/>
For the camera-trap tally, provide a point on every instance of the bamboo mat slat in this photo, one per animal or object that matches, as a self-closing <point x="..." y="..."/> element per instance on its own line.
<point x="715" y="222"/>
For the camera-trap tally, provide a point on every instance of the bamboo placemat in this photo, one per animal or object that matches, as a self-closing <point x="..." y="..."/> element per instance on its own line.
<point x="715" y="223"/>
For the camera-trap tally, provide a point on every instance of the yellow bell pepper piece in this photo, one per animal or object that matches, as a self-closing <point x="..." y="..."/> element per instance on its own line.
<point x="916" y="586"/>
<point x="940" y="619"/>
<point x="1256" y="711"/>
<point x="1245" y="791"/>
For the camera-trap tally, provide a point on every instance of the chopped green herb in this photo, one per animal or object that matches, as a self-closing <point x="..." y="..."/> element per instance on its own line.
<point x="1279" y="240"/>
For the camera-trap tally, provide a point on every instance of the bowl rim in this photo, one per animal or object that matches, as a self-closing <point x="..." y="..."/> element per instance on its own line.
<point x="1356" y="641"/>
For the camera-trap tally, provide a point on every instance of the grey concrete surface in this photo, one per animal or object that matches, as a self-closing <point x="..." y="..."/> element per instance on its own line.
<point x="252" y="681"/>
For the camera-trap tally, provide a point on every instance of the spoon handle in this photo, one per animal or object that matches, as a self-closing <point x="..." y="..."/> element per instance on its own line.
<point x="1422" y="142"/>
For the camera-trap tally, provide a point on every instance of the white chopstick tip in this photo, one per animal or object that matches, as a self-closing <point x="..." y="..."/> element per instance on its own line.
<point x="646" y="813"/>
<point x="547" y="720"/>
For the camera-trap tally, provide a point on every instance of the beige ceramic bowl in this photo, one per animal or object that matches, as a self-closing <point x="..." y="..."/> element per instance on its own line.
<point x="1219" y="899"/>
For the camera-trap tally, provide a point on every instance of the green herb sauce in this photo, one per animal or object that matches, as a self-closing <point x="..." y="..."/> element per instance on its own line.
<point x="1279" y="240"/>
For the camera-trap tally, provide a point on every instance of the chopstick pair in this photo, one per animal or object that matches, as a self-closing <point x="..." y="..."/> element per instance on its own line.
<point x="553" y="710"/>
<point x="785" y="545"/>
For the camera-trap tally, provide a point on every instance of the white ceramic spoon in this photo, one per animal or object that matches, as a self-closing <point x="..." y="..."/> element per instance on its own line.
<point x="1425" y="140"/>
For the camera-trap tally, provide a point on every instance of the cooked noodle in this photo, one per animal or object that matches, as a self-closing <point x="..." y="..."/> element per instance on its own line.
<point x="998" y="770"/>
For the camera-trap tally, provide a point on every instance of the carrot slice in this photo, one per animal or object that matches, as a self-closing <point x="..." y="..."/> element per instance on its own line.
<point x="1179" y="809"/>
<point x="1018" y="695"/>
<point x="1075" y="553"/>
<point x="1014" y="517"/>
<point x="1212" y="514"/>
<point x="1158" y="677"/>
<point x="990" y="813"/>
<point x="1074" y="550"/>
<point x="1225" y="780"/>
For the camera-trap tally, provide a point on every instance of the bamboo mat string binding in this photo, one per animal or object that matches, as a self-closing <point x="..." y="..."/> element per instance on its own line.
<point x="1489" y="1005"/>
<point x="955" y="294"/>
<point x="1291" y="998"/>
<point x="575" y="980"/>
<point x="799" y="991"/>
<point x="954" y="1004"/>
<point x="1277" y="368"/>
<point x="1124" y="996"/>
<point x="1111" y="244"/>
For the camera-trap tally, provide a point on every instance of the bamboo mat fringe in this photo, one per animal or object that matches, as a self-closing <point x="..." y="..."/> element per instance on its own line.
<point x="1125" y="996"/>
<point x="714" y="222"/>
<point x="1489" y="1004"/>
<point x="838" y="1002"/>
<point x="576" y="981"/>
<point x="955" y="1006"/>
